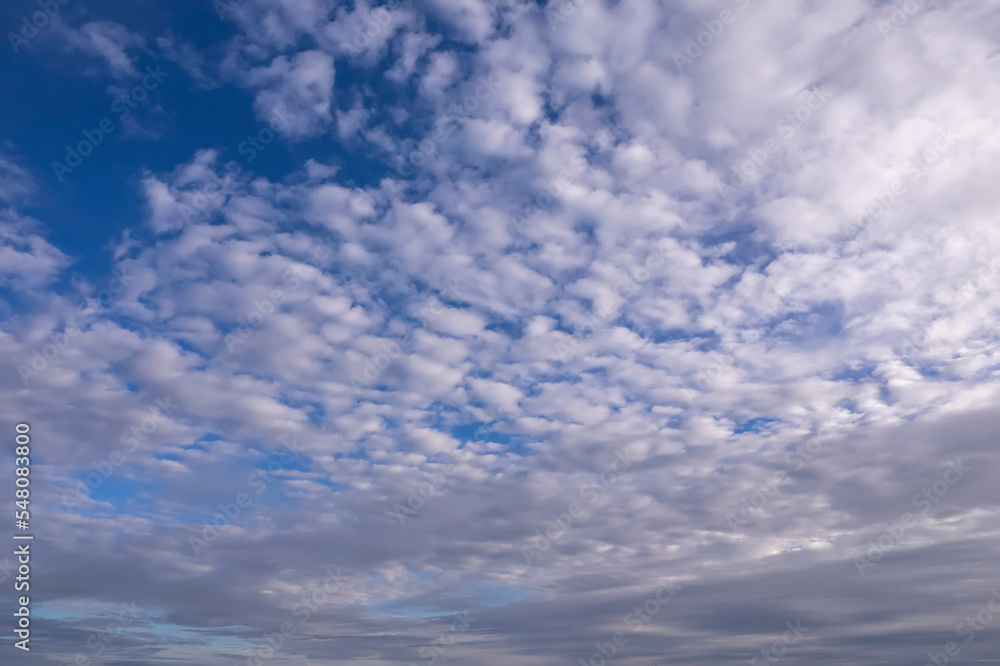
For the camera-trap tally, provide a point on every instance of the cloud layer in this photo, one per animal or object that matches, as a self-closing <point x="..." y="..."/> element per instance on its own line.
<point x="748" y="248"/>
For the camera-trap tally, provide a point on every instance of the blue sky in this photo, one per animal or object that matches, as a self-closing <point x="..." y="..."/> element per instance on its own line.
<point x="357" y="319"/>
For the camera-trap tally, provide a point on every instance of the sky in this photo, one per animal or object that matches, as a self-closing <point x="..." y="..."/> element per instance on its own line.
<point x="509" y="333"/>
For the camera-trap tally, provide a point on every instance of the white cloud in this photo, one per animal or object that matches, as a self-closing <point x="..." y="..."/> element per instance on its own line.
<point x="294" y="94"/>
<point x="638" y="308"/>
<point x="16" y="184"/>
<point x="105" y="40"/>
<point x="27" y="261"/>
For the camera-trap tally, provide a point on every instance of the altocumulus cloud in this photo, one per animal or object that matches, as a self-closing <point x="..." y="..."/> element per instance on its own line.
<point x="769" y="319"/>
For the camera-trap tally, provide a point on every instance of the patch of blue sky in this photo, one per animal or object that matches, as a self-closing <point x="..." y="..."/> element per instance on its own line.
<point x="858" y="373"/>
<point x="755" y="426"/>
<point x="748" y="246"/>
